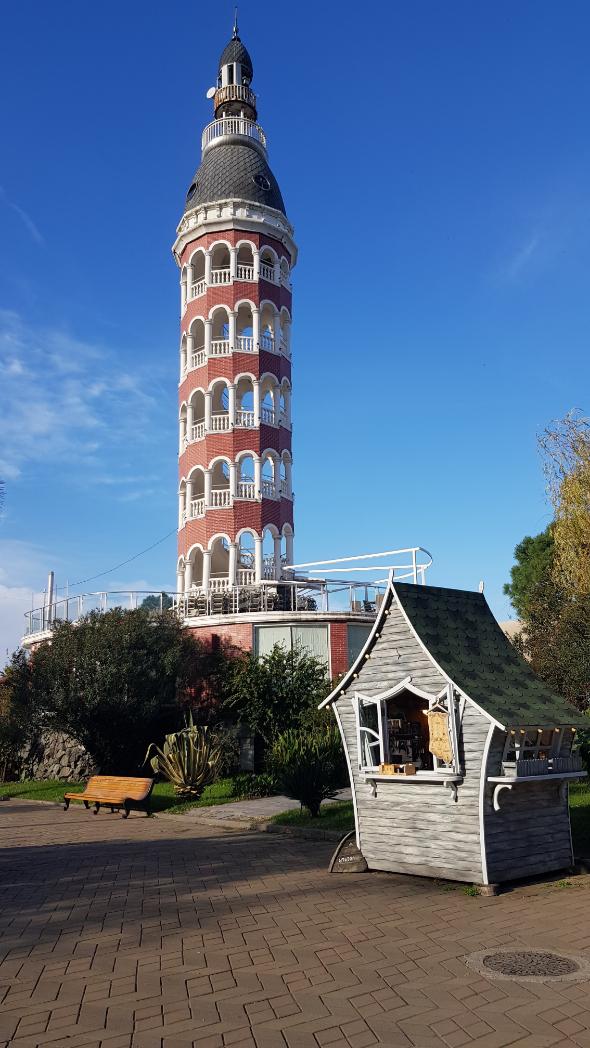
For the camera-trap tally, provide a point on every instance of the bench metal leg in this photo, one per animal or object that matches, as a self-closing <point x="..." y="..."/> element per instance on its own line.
<point x="86" y="805"/>
<point x="127" y="810"/>
<point x="97" y="807"/>
<point x="66" y="803"/>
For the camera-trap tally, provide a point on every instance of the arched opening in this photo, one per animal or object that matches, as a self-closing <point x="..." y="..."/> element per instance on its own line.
<point x="285" y="475"/>
<point x="182" y="429"/>
<point x="270" y="548"/>
<point x="285" y="404"/>
<point x="195" y="494"/>
<point x="246" y="478"/>
<point x="245" y="262"/>
<point x="246" y="559"/>
<point x="183" y="356"/>
<point x="196" y="343"/>
<point x="219" y="407"/>
<point x="245" y="328"/>
<point x="285" y="272"/>
<point x="269" y="400"/>
<point x="198" y="414"/>
<point x="220" y="346"/>
<point x="245" y="403"/>
<point x="269" y="475"/>
<point x="267" y="327"/>
<point x="219" y="577"/>
<point x="220" y="264"/>
<point x="197" y="284"/>
<point x="268" y="259"/>
<point x="285" y="332"/>
<point x="220" y="495"/>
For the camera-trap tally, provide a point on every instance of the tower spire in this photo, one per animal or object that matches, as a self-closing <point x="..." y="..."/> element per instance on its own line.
<point x="235" y="35"/>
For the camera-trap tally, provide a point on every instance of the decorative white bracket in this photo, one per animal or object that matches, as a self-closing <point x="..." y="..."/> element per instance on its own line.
<point x="452" y="786"/>
<point x="497" y="791"/>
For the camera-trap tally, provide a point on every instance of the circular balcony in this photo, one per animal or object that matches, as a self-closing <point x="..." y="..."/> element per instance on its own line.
<point x="234" y="93"/>
<point x="233" y="126"/>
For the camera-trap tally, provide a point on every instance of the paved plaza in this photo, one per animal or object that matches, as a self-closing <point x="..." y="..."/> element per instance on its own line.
<point x="169" y="932"/>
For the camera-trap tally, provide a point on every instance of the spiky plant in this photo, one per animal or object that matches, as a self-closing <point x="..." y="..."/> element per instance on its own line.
<point x="188" y="759"/>
<point x="309" y="765"/>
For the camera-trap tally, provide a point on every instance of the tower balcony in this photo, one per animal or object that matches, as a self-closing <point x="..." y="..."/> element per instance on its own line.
<point x="233" y="127"/>
<point x="234" y="93"/>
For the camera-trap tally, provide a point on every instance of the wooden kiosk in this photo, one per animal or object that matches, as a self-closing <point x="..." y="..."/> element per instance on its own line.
<point x="459" y="757"/>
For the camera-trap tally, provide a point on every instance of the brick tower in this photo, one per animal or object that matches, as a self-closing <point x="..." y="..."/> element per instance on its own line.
<point x="235" y="252"/>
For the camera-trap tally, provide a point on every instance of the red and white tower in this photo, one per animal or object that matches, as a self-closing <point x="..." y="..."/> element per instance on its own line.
<point x="235" y="251"/>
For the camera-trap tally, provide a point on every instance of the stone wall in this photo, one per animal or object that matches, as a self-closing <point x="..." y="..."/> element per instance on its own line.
<point x="56" y="756"/>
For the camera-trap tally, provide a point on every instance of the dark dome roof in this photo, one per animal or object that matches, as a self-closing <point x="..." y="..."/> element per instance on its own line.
<point x="236" y="52"/>
<point x="232" y="171"/>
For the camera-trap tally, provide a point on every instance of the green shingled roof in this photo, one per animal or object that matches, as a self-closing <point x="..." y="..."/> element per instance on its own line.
<point x="463" y="637"/>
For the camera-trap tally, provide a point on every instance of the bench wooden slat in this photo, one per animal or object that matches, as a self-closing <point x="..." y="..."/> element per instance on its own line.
<point x="114" y="791"/>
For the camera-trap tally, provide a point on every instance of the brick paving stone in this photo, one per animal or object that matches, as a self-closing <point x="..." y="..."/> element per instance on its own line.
<point x="173" y="932"/>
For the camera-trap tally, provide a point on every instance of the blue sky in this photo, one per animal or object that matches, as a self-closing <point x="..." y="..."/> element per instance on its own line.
<point x="435" y="161"/>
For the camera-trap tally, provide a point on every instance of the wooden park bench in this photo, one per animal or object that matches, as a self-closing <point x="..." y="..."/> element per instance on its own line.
<point x="114" y="792"/>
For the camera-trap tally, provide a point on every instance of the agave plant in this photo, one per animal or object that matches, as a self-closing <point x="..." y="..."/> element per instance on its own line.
<point x="188" y="759"/>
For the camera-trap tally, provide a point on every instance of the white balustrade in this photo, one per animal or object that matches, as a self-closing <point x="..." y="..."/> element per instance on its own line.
<point x="245" y="272"/>
<point x="267" y="272"/>
<point x="198" y="431"/>
<point x="245" y="344"/>
<point x="268" y="567"/>
<point x="220" y="498"/>
<point x="198" y="507"/>
<point x="246" y="576"/>
<point x="198" y="358"/>
<point x="246" y="489"/>
<point x="268" y="488"/>
<point x="284" y="488"/>
<point x="198" y="289"/>
<point x="244" y="419"/>
<point x="283" y="346"/>
<point x="220" y="347"/>
<point x="267" y="415"/>
<point x="233" y="125"/>
<point x="219" y="422"/>
<point x="218" y="585"/>
<point x="220" y="276"/>
<point x="267" y="342"/>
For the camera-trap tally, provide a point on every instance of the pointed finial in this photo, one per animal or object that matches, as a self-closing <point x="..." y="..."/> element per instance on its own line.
<point x="235" y="36"/>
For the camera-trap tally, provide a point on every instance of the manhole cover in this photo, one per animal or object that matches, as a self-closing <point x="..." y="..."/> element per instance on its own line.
<point x="530" y="962"/>
<point x="529" y="965"/>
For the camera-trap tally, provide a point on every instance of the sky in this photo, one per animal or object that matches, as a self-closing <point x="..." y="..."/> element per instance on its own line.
<point x="435" y="162"/>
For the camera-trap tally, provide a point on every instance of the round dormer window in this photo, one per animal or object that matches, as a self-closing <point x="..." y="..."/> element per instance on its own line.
<point x="262" y="182"/>
<point x="192" y="189"/>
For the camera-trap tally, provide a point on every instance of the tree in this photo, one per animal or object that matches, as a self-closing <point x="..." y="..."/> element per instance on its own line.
<point x="565" y="446"/>
<point x="556" y="640"/>
<point x="17" y="721"/>
<point x="157" y="602"/>
<point x="275" y="692"/>
<point x="534" y="563"/>
<point x="116" y="681"/>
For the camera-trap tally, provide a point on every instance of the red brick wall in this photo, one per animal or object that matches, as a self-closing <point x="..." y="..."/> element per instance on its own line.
<point x="239" y="634"/>
<point x="339" y="647"/>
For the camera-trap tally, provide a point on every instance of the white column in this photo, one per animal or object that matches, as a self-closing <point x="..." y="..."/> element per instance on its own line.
<point x="208" y="396"/>
<point x="190" y="348"/>
<point x="188" y="576"/>
<point x="287" y="396"/>
<point x="182" y="434"/>
<point x="233" y="561"/>
<point x="181" y="505"/>
<point x="289" y="547"/>
<point x="256" y="329"/>
<point x="189" y="499"/>
<point x="276" y="331"/>
<point x="233" y="480"/>
<point x="206" y="568"/>
<point x="287" y="337"/>
<point x="179" y="582"/>
<point x="258" y="559"/>
<point x="233" y="263"/>
<point x="257" y="477"/>
<point x="208" y="329"/>
<point x="183" y="291"/>
<point x="276" y="404"/>
<point x="231" y="404"/>
<point x="256" y="264"/>
<point x="207" y="267"/>
<point x="189" y="281"/>
<point x="256" y="400"/>
<point x="289" y="477"/>
<point x="189" y="420"/>
<point x="277" y="555"/>
<point x="277" y="272"/>
<point x="208" y="479"/>
<point x="232" y="330"/>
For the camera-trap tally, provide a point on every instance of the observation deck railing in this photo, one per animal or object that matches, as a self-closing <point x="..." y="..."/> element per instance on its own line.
<point x="234" y="93"/>
<point x="233" y="125"/>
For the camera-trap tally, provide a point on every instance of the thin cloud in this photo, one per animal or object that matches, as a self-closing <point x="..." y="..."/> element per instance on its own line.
<point x="25" y="218"/>
<point x="522" y="258"/>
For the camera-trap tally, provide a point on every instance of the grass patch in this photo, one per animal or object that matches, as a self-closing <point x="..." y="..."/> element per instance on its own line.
<point x="163" y="797"/>
<point x="337" y="816"/>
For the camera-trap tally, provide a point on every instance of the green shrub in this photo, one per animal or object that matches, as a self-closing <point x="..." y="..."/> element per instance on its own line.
<point x="309" y="766"/>
<point x="246" y="784"/>
<point x="188" y="760"/>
